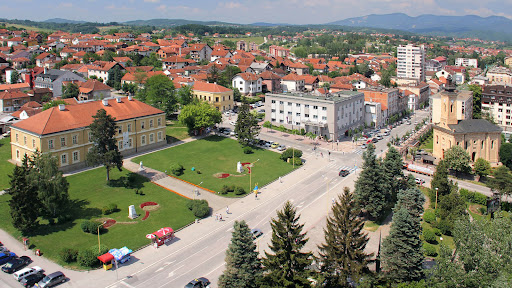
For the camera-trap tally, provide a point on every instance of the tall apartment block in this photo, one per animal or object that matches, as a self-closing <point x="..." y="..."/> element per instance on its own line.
<point x="411" y="62"/>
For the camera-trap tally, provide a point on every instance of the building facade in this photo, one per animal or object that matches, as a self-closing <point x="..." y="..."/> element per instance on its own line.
<point x="218" y="96"/>
<point x="499" y="75"/>
<point x="329" y="116"/>
<point x="466" y="62"/>
<point x="387" y="97"/>
<point x="53" y="79"/>
<point x="497" y="102"/>
<point x="64" y="132"/>
<point x="247" y="83"/>
<point x="463" y="109"/>
<point x="411" y="62"/>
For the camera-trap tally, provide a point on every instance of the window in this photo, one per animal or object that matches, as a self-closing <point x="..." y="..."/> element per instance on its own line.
<point x="273" y="101"/>
<point x="306" y="115"/>
<point x="281" y="121"/>
<point x="75" y="157"/>
<point x="273" y="110"/>
<point x="33" y="143"/>
<point x="315" y="116"/>
<point x="130" y="142"/>
<point x="159" y="121"/>
<point x="482" y="144"/>
<point x="142" y="124"/>
<point x="324" y="108"/>
<point x="50" y="144"/>
<point x="297" y="114"/>
<point x="315" y="107"/>
<point x="25" y="140"/>
<point x="143" y="140"/>
<point x="289" y="112"/>
<point x="151" y="138"/>
<point x="17" y="154"/>
<point x="281" y="111"/>
<point x="324" y="117"/>
<point x="75" y="139"/>
<point x="90" y="137"/>
<point x="297" y="123"/>
<point x="289" y="103"/>
<point x="129" y="128"/>
<point x="297" y="105"/>
<point x="63" y="159"/>
<point x="62" y="141"/>
<point x="281" y="102"/>
<point x="159" y="135"/>
<point x="306" y="106"/>
<point x="120" y="145"/>
<point x="120" y="129"/>
<point x="16" y="137"/>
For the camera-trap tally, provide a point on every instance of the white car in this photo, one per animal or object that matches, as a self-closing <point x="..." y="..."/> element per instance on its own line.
<point x="232" y="123"/>
<point x="227" y="113"/>
<point x="26" y="271"/>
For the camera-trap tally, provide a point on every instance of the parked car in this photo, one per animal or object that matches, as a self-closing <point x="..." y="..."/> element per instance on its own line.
<point x="262" y="142"/>
<point x="281" y="148"/>
<point x="27" y="271"/>
<point x="16" y="264"/>
<point x="419" y="181"/>
<point x="6" y="257"/>
<point x="232" y="123"/>
<point x="51" y="280"/>
<point x="375" y="140"/>
<point x="31" y="280"/>
<point x="268" y="144"/>
<point x="198" y="283"/>
<point x="227" y="113"/>
<point x="4" y="249"/>
<point x="256" y="232"/>
<point x="274" y="145"/>
<point x="363" y="146"/>
<point x="343" y="173"/>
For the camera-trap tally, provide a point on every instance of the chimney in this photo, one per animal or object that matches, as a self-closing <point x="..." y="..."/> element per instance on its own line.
<point x="105" y="102"/>
<point x="118" y="99"/>
<point x="62" y="107"/>
<point x="130" y="98"/>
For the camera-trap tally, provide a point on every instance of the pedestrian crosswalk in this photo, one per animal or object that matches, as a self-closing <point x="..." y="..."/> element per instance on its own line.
<point x="337" y="167"/>
<point x="359" y="151"/>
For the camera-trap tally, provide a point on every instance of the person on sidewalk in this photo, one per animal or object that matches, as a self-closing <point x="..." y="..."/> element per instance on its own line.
<point x="227" y="210"/>
<point x="220" y="217"/>
<point x="216" y="217"/>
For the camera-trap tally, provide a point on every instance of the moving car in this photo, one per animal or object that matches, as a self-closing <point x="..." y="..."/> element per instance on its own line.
<point x="6" y="257"/>
<point x="198" y="283"/>
<point x="31" y="280"/>
<point x="343" y="173"/>
<point x="51" y="280"/>
<point x="256" y="232"/>
<point x="274" y="145"/>
<point x="16" y="264"/>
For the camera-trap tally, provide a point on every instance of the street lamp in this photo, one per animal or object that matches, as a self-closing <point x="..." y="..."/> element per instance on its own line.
<point x="99" y="226"/>
<point x="250" y="174"/>
<point x="435" y="206"/>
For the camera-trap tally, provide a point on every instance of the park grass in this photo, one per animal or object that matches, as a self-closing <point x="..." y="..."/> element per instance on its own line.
<point x="255" y="39"/>
<point x="6" y="167"/>
<point x="217" y="154"/>
<point x="89" y="192"/>
<point x="29" y="28"/>
<point x="371" y="226"/>
<point x="176" y="132"/>
<point x="428" y="145"/>
<point x="447" y="240"/>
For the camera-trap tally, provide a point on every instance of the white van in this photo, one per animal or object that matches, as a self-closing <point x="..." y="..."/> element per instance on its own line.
<point x="27" y="271"/>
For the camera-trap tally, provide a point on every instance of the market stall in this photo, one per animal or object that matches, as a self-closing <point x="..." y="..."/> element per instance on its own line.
<point x="120" y="255"/>
<point x="107" y="260"/>
<point x="161" y="236"/>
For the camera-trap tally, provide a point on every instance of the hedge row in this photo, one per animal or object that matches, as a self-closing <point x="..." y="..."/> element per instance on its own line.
<point x="473" y="197"/>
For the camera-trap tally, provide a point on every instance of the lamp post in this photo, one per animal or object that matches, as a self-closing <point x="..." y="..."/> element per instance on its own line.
<point x="99" y="245"/>
<point x="435" y="206"/>
<point x="250" y="174"/>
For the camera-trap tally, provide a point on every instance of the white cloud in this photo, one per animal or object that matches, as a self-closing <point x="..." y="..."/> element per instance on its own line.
<point x="230" y="5"/>
<point x="152" y="1"/>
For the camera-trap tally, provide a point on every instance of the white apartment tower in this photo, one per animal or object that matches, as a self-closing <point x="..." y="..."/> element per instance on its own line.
<point x="411" y="62"/>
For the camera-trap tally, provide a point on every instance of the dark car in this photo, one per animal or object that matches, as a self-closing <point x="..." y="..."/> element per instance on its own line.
<point x="16" y="264"/>
<point x="256" y="232"/>
<point x="32" y="279"/>
<point x="343" y="173"/>
<point x="375" y="140"/>
<point x="6" y="257"/>
<point x="198" y="283"/>
<point x="51" y="280"/>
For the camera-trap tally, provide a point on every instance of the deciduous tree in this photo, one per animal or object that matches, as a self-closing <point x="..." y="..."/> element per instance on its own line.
<point x="104" y="150"/>
<point x="506" y="154"/>
<point x="198" y="116"/>
<point x="501" y="181"/>
<point x="482" y="167"/>
<point x="287" y="266"/>
<point x="159" y="92"/>
<point x="185" y="95"/>
<point x="441" y="182"/>
<point x="70" y="90"/>
<point x="457" y="159"/>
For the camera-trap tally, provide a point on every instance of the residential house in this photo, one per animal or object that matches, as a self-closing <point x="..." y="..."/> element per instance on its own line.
<point x="247" y="83"/>
<point x="298" y="68"/>
<point x="12" y="100"/>
<point x="64" y="130"/>
<point x="53" y="79"/>
<point x="310" y="82"/>
<point x="497" y="103"/>
<point x="102" y="69"/>
<point x="175" y="62"/>
<point x="28" y="109"/>
<point x="200" y="51"/>
<point x="499" y="75"/>
<point x="271" y="82"/>
<point x="220" y="53"/>
<point x="259" y="67"/>
<point x="218" y="96"/>
<point x="139" y="77"/>
<point x="387" y="97"/>
<point x="292" y="82"/>
<point x="93" y="90"/>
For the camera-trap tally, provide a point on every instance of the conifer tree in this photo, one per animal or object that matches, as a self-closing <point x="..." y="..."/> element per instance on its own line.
<point x="23" y="204"/>
<point x="246" y="128"/>
<point x="243" y="267"/>
<point x="402" y="253"/>
<point x="286" y="266"/>
<point x="343" y="254"/>
<point x="392" y="170"/>
<point x="369" y="186"/>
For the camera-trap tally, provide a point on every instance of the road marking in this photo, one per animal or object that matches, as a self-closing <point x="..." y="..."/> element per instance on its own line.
<point x="190" y="269"/>
<point x="167" y="263"/>
<point x="159" y="269"/>
<point x="172" y="272"/>
<point x="231" y="228"/>
<point x="127" y="285"/>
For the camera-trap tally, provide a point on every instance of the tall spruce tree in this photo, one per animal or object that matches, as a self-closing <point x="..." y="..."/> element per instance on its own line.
<point x="246" y="128"/>
<point x="402" y="253"/>
<point x="412" y="199"/>
<point x="243" y="267"/>
<point x="392" y="170"/>
<point x="287" y="266"/>
<point x="23" y="204"/>
<point x="369" y="185"/>
<point x="104" y="151"/>
<point x="343" y="254"/>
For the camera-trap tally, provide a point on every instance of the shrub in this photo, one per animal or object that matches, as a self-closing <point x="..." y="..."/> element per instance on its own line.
<point x="289" y="153"/>
<point x="445" y="227"/>
<point x="429" y="236"/>
<point x="473" y="197"/>
<point x="68" y="255"/>
<point x="89" y="226"/>
<point x="239" y="191"/>
<point x="200" y="208"/>
<point x="430" y="250"/>
<point x="248" y="150"/>
<point x="483" y="210"/>
<point x="296" y="161"/>
<point x="437" y="231"/>
<point x="109" y="209"/>
<point x="177" y="169"/>
<point x="506" y="206"/>
<point x="224" y="189"/>
<point x="429" y="216"/>
<point x="87" y="258"/>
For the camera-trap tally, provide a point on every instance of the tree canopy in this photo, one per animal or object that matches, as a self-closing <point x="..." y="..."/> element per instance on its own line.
<point x="199" y="116"/>
<point x="159" y="92"/>
<point x="457" y="159"/>
<point x="246" y="128"/>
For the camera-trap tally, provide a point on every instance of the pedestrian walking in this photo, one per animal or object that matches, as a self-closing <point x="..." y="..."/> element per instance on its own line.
<point x="256" y="196"/>
<point x="280" y="179"/>
<point x="227" y="210"/>
<point x="216" y="217"/>
<point x="322" y="154"/>
<point x="220" y="217"/>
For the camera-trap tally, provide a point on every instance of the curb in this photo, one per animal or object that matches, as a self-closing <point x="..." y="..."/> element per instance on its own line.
<point x="206" y="189"/>
<point x="171" y="190"/>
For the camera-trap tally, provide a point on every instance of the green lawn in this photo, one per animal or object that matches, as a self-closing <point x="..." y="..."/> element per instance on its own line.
<point x="5" y="166"/>
<point x="175" y="132"/>
<point x="217" y="154"/>
<point x="255" y="39"/>
<point x="89" y="193"/>
<point x="428" y="145"/>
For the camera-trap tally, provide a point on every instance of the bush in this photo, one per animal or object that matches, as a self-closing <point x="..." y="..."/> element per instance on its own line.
<point x="87" y="257"/>
<point x="437" y="231"/>
<point x="506" y="206"/>
<point x="109" y="209"/>
<point x="483" y="210"/>
<point x="239" y="191"/>
<point x="89" y="227"/>
<point x="429" y="236"/>
<point x="177" y="169"/>
<point x="200" y="208"/>
<point x="429" y="216"/>
<point x="473" y="197"/>
<point x="296" y="161"/>
<point x="68" y="255"/>
<point x="289" y="153"/>
<point x="248" y="150"/>
<point x="224" y="189"/>
<point x="430" y="250"/>
<point x="445" y="227"/>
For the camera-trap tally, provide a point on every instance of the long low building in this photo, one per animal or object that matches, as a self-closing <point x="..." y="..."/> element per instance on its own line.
<point x="330" y="116"/>
<point x="64" y="130"/>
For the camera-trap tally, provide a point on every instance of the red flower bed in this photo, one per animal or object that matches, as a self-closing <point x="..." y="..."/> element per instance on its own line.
<point x="146" y="216"/>
<point x="109" y="223"/>
<point x="148" y="204"/>
<point x="224" y="175"/>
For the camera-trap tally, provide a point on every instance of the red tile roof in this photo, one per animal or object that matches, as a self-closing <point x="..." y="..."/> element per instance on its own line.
<point x="209" y="87"/>
<point x="248" y="76"/>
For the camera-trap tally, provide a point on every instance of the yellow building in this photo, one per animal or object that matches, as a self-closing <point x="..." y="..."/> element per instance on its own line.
<point x="63" y="130"/>
<point x="479" y="137"/>
<point x="219" y="96"/>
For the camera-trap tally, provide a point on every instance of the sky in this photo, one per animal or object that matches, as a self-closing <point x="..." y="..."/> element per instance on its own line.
<point x="243" y="11"/>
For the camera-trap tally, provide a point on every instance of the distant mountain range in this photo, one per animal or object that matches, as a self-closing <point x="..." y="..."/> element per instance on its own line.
<point x="172" y="22"/>
<point x="461" y="26"/>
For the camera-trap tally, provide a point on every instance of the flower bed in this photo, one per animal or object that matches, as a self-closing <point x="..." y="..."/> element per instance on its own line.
<point x="109" y="223"/>
<point x="148" y="204"/>
<point x="145" y="216"/>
